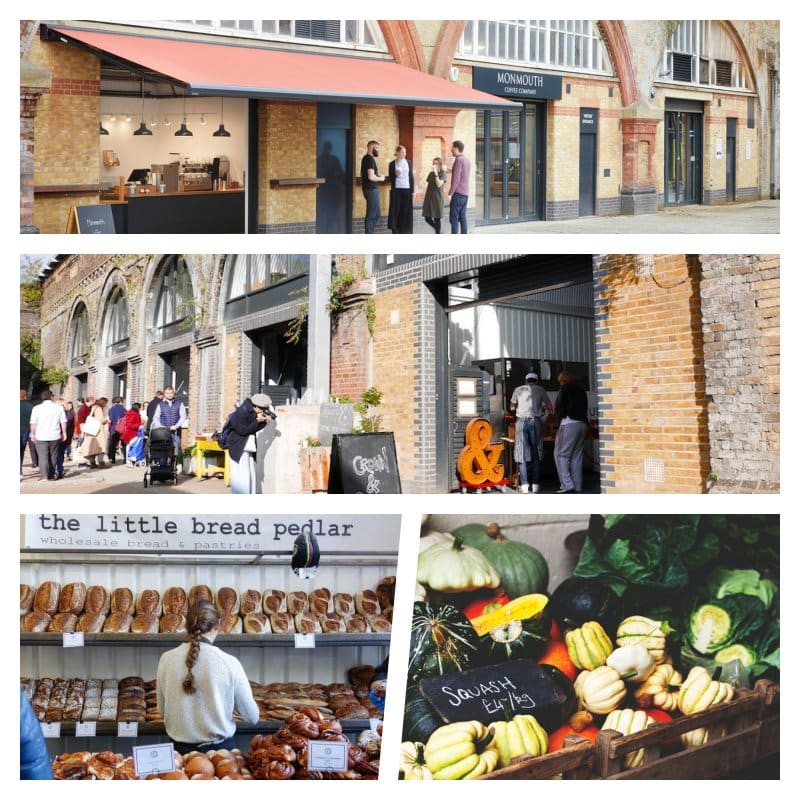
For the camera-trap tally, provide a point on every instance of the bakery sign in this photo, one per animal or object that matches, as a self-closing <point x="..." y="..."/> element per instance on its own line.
<point x="185" y="533"/>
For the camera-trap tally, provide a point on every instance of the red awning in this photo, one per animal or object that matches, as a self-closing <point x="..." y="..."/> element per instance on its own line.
<point x="224" y="69"/>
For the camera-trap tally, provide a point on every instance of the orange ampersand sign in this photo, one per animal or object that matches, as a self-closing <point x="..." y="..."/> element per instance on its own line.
<point x="478" y="461"/>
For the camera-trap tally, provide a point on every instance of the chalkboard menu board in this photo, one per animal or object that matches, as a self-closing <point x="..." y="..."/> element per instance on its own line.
<point x="364" y="463"/>
<point x="91" y="219"/>
<point x="334" y="418"/>
<point x="498" y="692"/>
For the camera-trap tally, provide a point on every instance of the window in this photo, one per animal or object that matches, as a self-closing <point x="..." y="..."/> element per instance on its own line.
<point x="702" y="52"/>
<point x="117" y="324"/>
<point x="174" y="301"/>
<point x="574" y="44"/>
<point x="249" y="276"/>
<point x="79" y="336"/>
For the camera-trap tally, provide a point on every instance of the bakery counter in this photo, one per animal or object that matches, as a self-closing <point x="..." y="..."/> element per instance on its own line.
<point x="181" y="212"/>
<point x="285" y="640"/>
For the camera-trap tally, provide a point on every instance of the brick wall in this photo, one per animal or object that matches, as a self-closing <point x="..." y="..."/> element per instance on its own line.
<point x="741" y="347"/>
<point x="379" y="123"/>
<point x="651" y="386"/>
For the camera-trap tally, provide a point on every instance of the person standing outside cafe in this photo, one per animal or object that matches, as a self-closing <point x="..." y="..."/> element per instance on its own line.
<point x="370" y="178"/>
<point x="459" y="188"/>
<point x="530" y="401"/>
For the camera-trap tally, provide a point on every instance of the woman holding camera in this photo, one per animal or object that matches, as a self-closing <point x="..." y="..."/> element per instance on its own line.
<point x="244" y="423"/>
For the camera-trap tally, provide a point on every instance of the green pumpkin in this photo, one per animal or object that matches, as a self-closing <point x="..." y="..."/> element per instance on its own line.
<point x="519" y="638"/>
<point x="523" y="569"/>
<point x="419" y="720"/>
<point x="442" y="641"/>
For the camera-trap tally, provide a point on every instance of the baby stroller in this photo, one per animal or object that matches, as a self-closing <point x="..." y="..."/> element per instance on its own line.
<point x="161" y="462"/>
<point x="135" y="452"/>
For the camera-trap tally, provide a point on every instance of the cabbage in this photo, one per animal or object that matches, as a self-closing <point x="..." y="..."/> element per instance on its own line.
<point x="723" y="582"/>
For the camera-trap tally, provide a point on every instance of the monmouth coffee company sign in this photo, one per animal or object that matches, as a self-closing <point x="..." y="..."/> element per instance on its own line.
<point x="516" y="84"/>
<point x="203" y="533"/>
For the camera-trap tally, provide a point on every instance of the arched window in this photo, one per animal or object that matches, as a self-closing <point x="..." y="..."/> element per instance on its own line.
<point x="353" y="33"/>
<point x="249" y="276"/>
<point x="116" y="333"/>
<point x="573" y="44"/>
<point x="79" y="337"/>
<point x="174" y="309"/>
<point x="702" y="52"/>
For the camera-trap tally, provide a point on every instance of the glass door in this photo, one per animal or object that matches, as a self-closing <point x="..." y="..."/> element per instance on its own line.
<point x="684" y="159"/>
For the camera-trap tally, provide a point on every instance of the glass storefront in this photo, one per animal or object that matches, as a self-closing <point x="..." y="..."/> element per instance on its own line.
<point x="684" y="158"/>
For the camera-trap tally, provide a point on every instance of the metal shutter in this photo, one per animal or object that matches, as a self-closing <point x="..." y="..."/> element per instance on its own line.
<point x="681" y="67"/>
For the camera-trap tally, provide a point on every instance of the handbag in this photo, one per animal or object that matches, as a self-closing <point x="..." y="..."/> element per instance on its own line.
<point x="250" y="444"/>
<point x="91" y="427"/>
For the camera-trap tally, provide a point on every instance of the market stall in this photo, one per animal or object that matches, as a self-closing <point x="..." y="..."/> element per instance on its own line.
<point x="102" y="598"/>
<point x="629" y="646"/>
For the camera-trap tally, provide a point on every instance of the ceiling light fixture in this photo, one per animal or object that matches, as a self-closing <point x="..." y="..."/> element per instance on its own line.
<point x="183" y="130"/>
<point x="221" y="130"/>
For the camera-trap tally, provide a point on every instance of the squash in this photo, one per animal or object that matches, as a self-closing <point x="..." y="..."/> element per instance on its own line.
<point x="442" y="641"/>
<point x="412" y="762"/>
<point x="434" y="537"/>
<point x="523" y="569"/>
<point x="697" y="693"/>
<point x="420" y="720"/>
<point x="600" y="690"/>
<point x="628" y="721"/>
<point x="581" y="723"/>
<point x="557" y="654"/>
<point x="453" y="567"/>
<point x="651" y="633"/>
<point x="461" y="751"/>
<point x="519" y="629"/>
<point x="633" y="662"/>
<point x="486" y="603"/>
<point x="520" y="736"/>
<point x="579" y="600"/>
<point x="660" y="690"/>
<point x="588" y="646"/>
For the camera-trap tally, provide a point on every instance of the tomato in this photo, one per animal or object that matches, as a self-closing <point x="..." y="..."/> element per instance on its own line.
<point x="557" y="655"/>
<point x="671" y="745"/>
<point x="658" y="715"/>
<point x="556" y="741"/>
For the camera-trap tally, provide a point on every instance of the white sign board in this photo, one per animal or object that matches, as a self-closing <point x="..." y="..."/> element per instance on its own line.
<point x="152" y="758"/>
<point x="327" y="756"/>
<point x="72" y="639"/>
<point x="719" y="149"/>
<point x="207" y="533"/>
<point x="86" y="729"/>
<point x="747" y="149"/>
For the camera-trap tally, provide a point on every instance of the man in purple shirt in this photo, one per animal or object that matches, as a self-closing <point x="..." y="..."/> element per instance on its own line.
<point x="459" y="188"/>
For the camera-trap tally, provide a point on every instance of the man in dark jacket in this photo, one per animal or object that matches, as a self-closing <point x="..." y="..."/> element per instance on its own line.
<point x="25" y="409"/>
<point x="34" y="760"/>
<point x="115" y="414"/>
<point x="572" y="407"/>
<point x="246" y="420"/>
<point x="151" y="408"/>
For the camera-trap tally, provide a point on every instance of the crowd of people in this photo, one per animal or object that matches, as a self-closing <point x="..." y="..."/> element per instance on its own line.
<point x="91" y="433"/>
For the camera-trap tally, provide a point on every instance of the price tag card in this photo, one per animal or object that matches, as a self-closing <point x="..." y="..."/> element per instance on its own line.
<point x="327" y="756"/>
<point x="86" y="729"/>
<point x="72" y="639"/>
<point x="153" y="758"/>
<point x="129" y="729"/>
<point x="305" y="640"/>
<point x="51" y="730"/>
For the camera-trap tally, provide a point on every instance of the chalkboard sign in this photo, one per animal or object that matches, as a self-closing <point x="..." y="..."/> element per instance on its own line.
<point x="334" y="418"/>
<point x="498" y="692"/>
<point x="364" y="463"/>
<point x="91" y="219"/>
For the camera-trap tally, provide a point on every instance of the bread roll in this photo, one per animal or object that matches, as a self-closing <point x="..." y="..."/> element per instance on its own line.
<point x="172" y="623"/>
<point x="306" y="622"/>
<point x="385" y="592"/>
<point x="250" y="602"/>
<point x="297" y="603"/>
<point x="26" y="595"/>
<point x="380" y="624"/>
<point x="63" y="622"/>
<point x="230" y="624"/>
<point x="356" y="624"/>
<point x="98" y="600"/>
<point x="256" y="623"/>
<point x="118" y="623"/>
<point x="91" y="623"/>
<point x="226" y="600"/>
<point x="319" y="600"/>
<point x="344" y="604"/>
<point x="122" y="601"/>
<point x="175" y="601"/>
<point x="332" y="623"/>
<point x="281" y="622"/>
<point x="273" y="600"/>
<point x="367" y="603"/>
<point x="148" y="601"/>
<point x="46" y="597"/>
<point x="36" y="622"/>
<point x="200" y="592"/>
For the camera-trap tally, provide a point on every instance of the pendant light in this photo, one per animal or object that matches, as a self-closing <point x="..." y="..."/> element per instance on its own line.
<point x="103" y="131"/>
<point x="221" y="130"/>
<point x="142" y="130"/>
<point x="183" y="130"/>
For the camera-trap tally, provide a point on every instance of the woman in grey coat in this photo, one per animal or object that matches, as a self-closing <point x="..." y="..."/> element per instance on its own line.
<point x="433" y="204"/>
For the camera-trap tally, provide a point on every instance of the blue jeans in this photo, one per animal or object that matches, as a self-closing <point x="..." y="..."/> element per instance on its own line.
<point x="23" y="443"/>
<point x="530" y="432"/>
<point x="458" y="213"/>
<point x="373" y="213"/>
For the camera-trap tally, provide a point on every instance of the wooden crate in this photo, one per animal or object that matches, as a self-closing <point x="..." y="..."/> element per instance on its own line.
<point x="574" y="761"/>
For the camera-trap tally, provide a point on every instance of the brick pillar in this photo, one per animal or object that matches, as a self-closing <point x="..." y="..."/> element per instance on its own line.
<point x="351" y="343"/>
<point x="34" y="81"/>
<point x="639" y="194"/>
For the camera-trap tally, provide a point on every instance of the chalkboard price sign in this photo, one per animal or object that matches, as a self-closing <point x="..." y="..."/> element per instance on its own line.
<point x="334" y="418"/>
<point x="498" y="692"/>
<point x="364" y="463"/>
<point x="91" y="219"/>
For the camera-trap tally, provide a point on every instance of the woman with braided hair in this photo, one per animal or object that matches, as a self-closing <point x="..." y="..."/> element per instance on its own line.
<point x="199" y="687"/>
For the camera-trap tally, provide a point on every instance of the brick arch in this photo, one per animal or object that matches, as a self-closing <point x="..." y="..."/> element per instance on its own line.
<point x="78" y="302"/>
<point x="114" y="280"/>
<point x="730" y="29"/>
<point x="403" y="42"/>
<point x="446" y="46"/>
<point x="615" y="35"/>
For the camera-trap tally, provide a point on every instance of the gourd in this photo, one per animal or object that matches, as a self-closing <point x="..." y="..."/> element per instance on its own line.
<point x="588" y="646"/>
<point x="600" y="690"/>
<point x="581" y="723"/>
<point x="419" y="720"/>
<point x="579" y="600"/>
<point x="645" y="631"/>
<point x="519" y="629"/>
<point x="633" y="662"/>
<point x="697" y="693"/>
<point x="461" y="751"/>
<point x="434" y="537"/>
<point x="523" y="569"/>
<point x="453" y="567"/>
<point x="660" y="690"/>
<point x="442" y="641"/>
<point x="412" y="762"/>
<point x="628" y="721"/>
<point x="522" y="735"/>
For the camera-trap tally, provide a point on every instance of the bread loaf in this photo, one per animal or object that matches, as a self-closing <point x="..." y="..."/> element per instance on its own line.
<point x="306" y="622"/>
<point x="98" y="600"/>
<point x="200" y="592"/>
<point x="297" y="603"/>
<point x="380" y="624"/>
<point x="72" y="598"/>
<point x="122" y="601"/>
<point x="356" y="624"/>
<point x="332" y="623"/>
<point x="319" y="600"/>
<point x="26" y="595"/>
<point x="144" y="623"/>
<point x="46" y="598"/>
<point x="385" y="591"/>
<point x="91" y="623"/>
<point x="230" y="624"/>
<point x="175" y="601"/>
<point x="118" y="623"/>
<point x="36" y="622"/>
<point x="63" y="622"/>
<point x="367" y="603"/>
<point x="273" y="600"/>
<point x="226" y="600"/>
<point x="250" y="602"/>
<point x="344" y="604"/>
<point x="281" y="622"/>
<point x="172" y="623"/>
<point x="256" y="623"/>
<point x="148" y="601"/>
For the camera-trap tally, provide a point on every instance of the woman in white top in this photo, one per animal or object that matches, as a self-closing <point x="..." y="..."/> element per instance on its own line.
<point x="199" y="686"/>
<point x="401" y="178"/>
